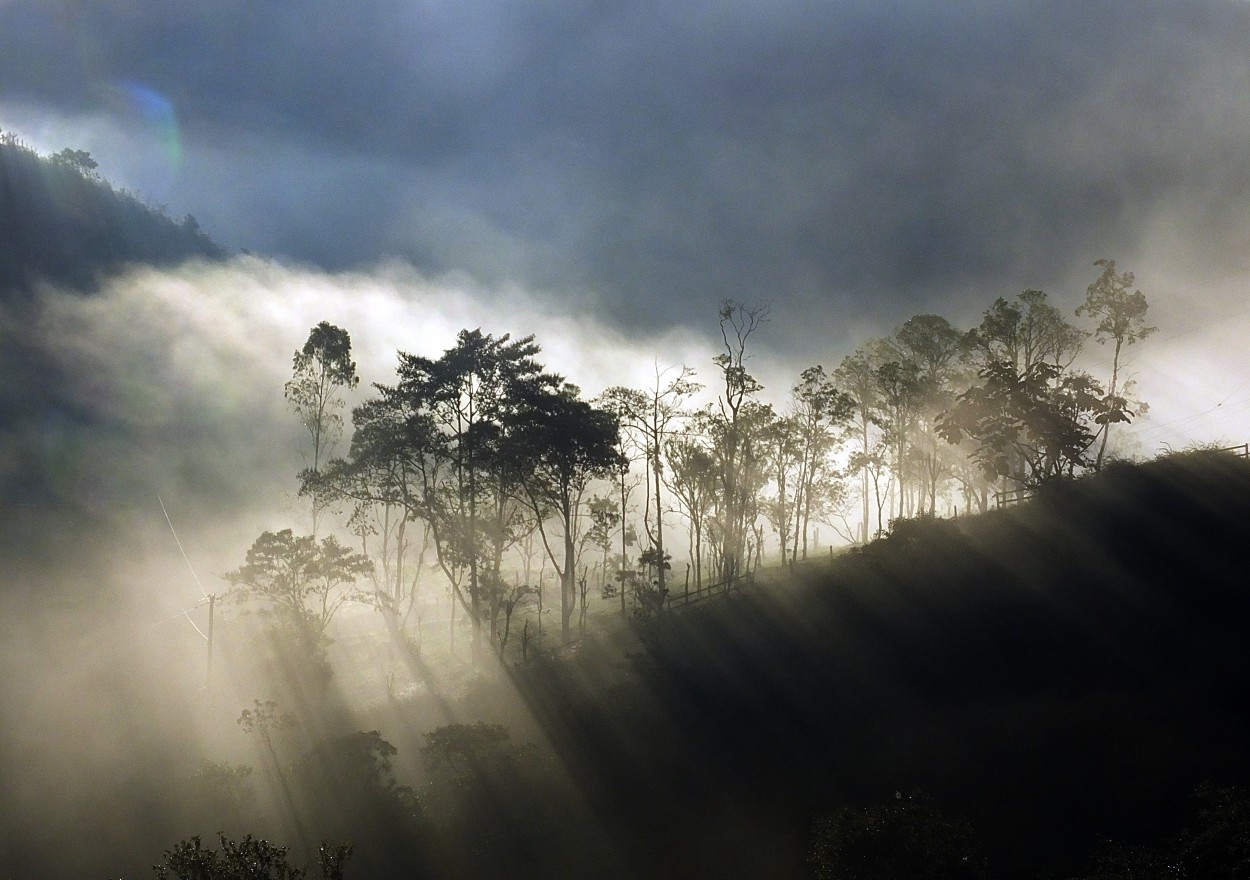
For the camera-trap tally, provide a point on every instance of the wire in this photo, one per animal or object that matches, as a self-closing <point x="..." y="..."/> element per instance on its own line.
<point x="203" y="592"/>
<point x="186" y="612"/>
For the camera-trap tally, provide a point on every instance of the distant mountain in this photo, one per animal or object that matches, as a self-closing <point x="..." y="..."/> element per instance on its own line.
<point x="60" y="221"/>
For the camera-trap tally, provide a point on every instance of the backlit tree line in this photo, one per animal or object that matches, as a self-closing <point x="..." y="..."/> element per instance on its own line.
<point x="485" y="467"/>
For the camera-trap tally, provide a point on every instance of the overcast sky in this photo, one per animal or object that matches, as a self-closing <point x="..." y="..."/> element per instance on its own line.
<point x="635" y="163"/>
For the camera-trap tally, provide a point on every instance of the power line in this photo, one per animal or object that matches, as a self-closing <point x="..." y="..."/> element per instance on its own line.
<point x="187" y="611"/>
<point x="179" y="543"/>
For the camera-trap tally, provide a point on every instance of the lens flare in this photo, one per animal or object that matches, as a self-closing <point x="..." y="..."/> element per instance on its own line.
<point x="158" y="116"/>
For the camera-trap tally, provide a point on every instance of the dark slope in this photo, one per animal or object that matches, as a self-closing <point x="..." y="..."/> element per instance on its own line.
<point x="61" y="222"/>
<point x="1059" y="672"/>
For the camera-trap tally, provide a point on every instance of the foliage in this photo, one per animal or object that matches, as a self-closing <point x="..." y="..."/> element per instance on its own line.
<point x="1121" y="318"/>
<point x="908" y="839"/>
<point x="305" y="582"/>
<point x="648" y="419"/>
<point x="246" y="859"/>
<point x="1121" y="315"/>
<point x="1217" y="845"/>
<point x="65" y="223"/>
<point x="499" y="797"/>
<point x="445" y="423"/>
<point x="821" y="411"/>
<point x="693" y="480"/>
<point x="1031" y="426"/>
<point x="264" y="719"/>
<point x="321" y="370"/>
<point x="1024" y="332"/>
<point x="735" y="427"/>
<point x="466" y="747"/>
<point x="924" y="529"/>
<point x="78" y="159"/>
<point x="560" y="443"/>
<point x="1214" y="846"/>
<point x="348" y="784"/>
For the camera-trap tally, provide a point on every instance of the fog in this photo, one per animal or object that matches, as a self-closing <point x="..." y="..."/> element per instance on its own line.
<point x="147" y="445"/>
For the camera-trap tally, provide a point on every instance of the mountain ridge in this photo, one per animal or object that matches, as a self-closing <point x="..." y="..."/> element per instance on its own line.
<point x="62" y="222"/>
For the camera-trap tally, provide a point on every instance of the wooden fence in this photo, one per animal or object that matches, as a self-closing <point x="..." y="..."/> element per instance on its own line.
<point x="709" y="591"/>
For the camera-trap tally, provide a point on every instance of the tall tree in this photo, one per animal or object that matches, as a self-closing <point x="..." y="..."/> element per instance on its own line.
<point x="559" y="443"/>
<point x="786" y="457"/>
<point x="1121" y="317"/>
<point x="735" y="424"/>
<point x="1024" y="332"/>
<point x="650" y="416"/>
<point x="692" y="477"/>
<point x="933" y="351"/>
<point x="900" y="392"/>
<point x="857" y="375"/>
<point x="395" y="462"/>
<point x="321" y="371"/>
<point x="821" y="411"/>
<point x="465" y="402"/>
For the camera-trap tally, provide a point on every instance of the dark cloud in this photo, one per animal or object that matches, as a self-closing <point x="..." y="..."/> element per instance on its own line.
<point x="865" y="159"/>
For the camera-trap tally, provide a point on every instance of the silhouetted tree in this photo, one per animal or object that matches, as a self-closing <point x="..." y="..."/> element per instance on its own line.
<point x="321" y="371"/>
<point x="66" y="224"/>
<point x="1024" y="332"/>
<point x="650" y="417"/>
<point x="857" y="375"/>
<point x="933" y="349"/>
<point x="1030" y="427"/>
<point x="900" y="392"/>
<point x="821" y="412"/>
<point x="303" y="581"/>
<point x="560" y="443"/>
<point x="692" y="478"/>
<point x="1121" y="317"/>
<point x="246" y="859"/>
<point x="461" y="406"/>
<point x="734" y="425"/>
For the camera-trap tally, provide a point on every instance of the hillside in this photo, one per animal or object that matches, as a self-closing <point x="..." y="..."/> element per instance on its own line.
<point x="62" y="222"/>
<point x="1056" y="674"/>
<point x="1061" y="672"/>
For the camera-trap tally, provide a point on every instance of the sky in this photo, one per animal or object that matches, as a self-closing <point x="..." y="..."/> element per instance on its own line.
<point x="625" y="167"/>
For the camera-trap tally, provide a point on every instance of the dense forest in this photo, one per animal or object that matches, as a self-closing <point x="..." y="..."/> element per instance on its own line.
<point x="528" y="631"/>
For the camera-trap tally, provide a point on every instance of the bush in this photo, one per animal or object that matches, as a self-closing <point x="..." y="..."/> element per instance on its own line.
<point x="909" y="839"/>
<point x="247" y="859"/>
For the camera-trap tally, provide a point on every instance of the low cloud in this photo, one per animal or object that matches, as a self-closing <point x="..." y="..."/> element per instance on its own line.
<point x="171" y="382"/>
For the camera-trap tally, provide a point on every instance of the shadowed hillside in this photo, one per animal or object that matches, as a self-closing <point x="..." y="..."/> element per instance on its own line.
<point x="1061" y="672"/>
<point x="62" y="222"/>
<point x="1053" y="675"/>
